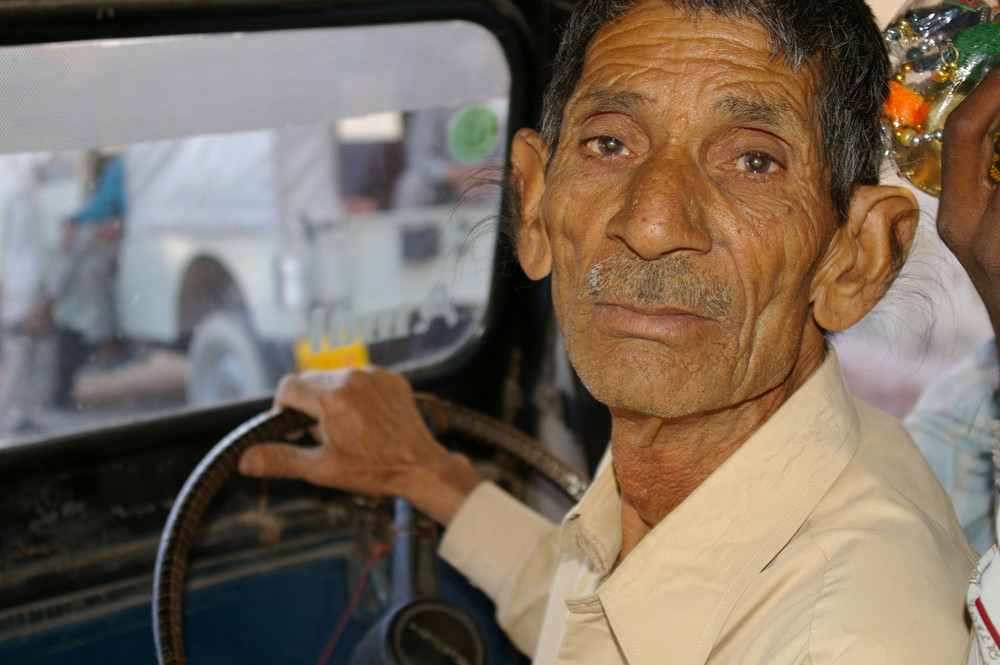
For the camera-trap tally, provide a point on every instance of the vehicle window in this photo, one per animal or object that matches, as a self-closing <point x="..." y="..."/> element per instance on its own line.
<point x="184" y="219"/>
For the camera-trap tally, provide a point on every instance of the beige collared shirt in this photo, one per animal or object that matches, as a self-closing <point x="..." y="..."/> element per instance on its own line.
<point x="824" y="539"/>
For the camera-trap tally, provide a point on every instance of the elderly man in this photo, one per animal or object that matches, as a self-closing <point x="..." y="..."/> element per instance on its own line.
<point x="704" y="196"/>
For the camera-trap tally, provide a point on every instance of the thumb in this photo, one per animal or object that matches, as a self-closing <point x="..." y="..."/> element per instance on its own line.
<point x="276" y="460"/>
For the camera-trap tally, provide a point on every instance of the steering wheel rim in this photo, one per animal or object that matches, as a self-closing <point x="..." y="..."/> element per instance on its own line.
<point x="221" y="462"/>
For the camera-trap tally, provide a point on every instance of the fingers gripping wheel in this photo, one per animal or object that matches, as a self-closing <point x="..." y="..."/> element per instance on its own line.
<point x="221" y="462"/>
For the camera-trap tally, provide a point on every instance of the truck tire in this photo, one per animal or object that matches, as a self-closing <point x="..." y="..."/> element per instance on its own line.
<point x="225" y="361"/>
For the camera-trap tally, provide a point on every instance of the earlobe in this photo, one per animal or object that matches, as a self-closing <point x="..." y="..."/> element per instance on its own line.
<point x="529" y="157"/>
<point x="864" y="256"/>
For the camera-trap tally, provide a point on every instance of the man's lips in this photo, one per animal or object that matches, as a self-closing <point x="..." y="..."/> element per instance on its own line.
<point x="661" y="323"/>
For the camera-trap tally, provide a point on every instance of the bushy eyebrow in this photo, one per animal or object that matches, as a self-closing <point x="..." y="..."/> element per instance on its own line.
<point x="754" y="111"/>
<point x="598" y="99"/>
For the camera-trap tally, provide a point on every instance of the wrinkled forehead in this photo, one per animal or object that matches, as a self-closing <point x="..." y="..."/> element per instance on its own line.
<point x="745" y="15"/>
<point x="761" y="42"/>
<point x="728" y="61"/>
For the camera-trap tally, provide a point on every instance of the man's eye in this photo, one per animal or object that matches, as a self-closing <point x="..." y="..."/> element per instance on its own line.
<point x="757" y="162"/>
<point x="608" y="146"/>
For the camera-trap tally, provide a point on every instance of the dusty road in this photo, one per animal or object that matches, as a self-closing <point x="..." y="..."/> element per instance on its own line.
<point x="103" y="396"/>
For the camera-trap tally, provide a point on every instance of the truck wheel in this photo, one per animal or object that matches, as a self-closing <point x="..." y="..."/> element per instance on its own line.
<point x="225" y="361"/>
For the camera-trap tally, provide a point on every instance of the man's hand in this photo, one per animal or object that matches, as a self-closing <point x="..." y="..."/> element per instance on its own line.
<point x="372" y="441"/>
<point x="969" y="212"/>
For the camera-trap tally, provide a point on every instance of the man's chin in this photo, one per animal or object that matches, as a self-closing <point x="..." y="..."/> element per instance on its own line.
<point x="643" y="392"/>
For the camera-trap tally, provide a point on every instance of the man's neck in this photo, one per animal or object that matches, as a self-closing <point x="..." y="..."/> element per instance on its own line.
<point x="658" y="463"/>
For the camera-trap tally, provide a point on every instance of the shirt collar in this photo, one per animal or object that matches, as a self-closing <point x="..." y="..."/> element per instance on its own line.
<point x="686" y="575"/>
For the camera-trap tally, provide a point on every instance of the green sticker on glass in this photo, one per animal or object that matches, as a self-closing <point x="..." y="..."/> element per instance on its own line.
<point x="473" y="133"/>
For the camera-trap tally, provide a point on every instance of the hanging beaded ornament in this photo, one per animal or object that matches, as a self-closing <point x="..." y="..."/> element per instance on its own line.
<point x="939" y="51"/>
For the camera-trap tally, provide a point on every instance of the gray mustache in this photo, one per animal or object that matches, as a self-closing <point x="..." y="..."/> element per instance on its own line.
<point x="667" y="282"/>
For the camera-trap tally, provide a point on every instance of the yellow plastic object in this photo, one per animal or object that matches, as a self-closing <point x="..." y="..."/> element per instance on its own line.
<point x="354" y="354"/>
<point x="939" y="51"/>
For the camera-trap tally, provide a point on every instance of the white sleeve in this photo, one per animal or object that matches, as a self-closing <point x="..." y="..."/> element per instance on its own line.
<point x="511" y="553"/>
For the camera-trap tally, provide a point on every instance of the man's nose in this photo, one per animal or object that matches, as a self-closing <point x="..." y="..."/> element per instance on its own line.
<point x="661" y="213"/>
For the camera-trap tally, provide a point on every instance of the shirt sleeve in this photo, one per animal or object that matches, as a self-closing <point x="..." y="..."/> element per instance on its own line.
<point x="511" y="553"/>
<point x="954" y="425"/>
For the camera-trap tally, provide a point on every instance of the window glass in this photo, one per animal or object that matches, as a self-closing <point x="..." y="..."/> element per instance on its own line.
<point x="184" y="219"/>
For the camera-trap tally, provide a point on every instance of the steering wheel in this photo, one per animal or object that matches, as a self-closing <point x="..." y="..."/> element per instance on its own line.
<point x="221" y="462"/>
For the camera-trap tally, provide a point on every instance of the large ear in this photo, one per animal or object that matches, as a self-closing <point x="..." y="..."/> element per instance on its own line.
<point x="865" y="255"/>
<point x="529" y="156"/>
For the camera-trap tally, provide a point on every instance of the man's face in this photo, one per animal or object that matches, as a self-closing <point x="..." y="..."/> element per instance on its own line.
<point x="687" y="211"/>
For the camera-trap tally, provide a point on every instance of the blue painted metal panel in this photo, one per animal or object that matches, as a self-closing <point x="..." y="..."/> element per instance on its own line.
<point x="277" y="617"/>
